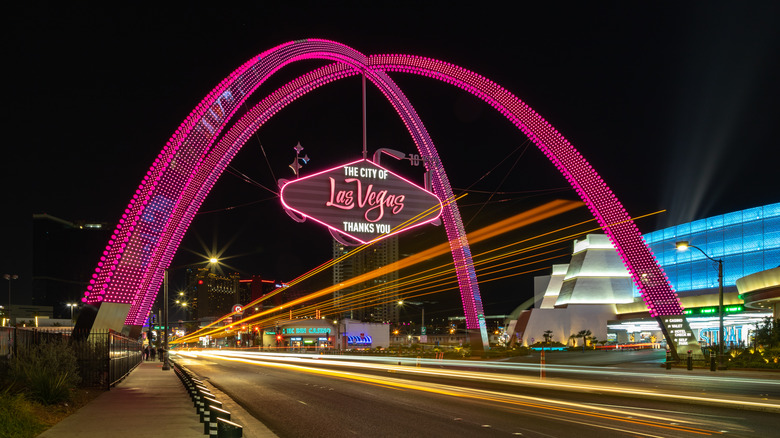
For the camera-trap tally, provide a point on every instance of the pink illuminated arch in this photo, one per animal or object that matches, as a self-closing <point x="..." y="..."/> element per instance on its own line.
<point x="153" y="224"/>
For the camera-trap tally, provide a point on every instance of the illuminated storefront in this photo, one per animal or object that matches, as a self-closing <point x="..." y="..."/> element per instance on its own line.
<point x="325" y="334"/>
<point x="738" y="325"/>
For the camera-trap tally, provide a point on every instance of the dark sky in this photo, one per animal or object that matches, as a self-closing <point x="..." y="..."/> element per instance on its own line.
<point x="675" y="105"/>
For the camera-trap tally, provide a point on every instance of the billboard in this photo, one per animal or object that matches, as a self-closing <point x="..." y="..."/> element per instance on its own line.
<point x="361" y="200"/>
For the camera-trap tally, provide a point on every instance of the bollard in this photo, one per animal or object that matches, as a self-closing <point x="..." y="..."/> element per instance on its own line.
<point x="200" y="402"/>
<point x="192" y="392"/>
<point x="201" y="392"/>
<point x="208" y="417"/>
<point x="193" y="388"/>
<point x="214" y="414"/>
<point x="690" y="360"/>
<point x="201" y="388"/>
<point x="209" y="403"/>
<point x="229" y="429"/>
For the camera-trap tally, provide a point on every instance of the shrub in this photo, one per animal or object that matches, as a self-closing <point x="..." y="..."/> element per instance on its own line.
<point x="755" y="358"/>
<point x="48" y="387"/>
<point x="16" y="416"/>
<point x="48" y="371"/>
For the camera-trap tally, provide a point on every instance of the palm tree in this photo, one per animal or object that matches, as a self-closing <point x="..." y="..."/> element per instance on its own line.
<point x="584" y="334"/>
<point x="547" y="336"/>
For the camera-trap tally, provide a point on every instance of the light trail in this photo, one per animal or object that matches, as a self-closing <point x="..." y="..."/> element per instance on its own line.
<point x="482" y="376"/>
<point x="318" y="269"/>
<point x="433" y="283"/>
<point x="389" y="291"/>
<point x="525" y="218"/>
<point x="664" y="420"/>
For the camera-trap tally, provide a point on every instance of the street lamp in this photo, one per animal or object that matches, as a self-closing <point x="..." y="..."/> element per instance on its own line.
<point x="71" y="305"/>
<point x="9" y="277"/>
<point x="683" y="245"/>
<point x="422" y="308"/>
<point x="165" y="366"/>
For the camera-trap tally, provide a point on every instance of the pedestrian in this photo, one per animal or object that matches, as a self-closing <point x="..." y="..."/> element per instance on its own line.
<point x="153" y="352"/>
<point x="146" y="352"/>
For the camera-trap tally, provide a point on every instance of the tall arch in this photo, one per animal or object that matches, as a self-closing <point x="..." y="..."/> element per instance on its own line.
<point x="131" y="268"/>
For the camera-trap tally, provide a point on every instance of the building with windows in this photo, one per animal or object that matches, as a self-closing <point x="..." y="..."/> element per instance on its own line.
<point x="374" y="300"/>
<point x="212" y="295"/>
<point x="301" y="335"/>
<point x="595" y="292"/>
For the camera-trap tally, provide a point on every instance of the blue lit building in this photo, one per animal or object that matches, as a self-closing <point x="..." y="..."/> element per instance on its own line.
<point x="594" y="291"/>
<point x="747" y="241"/>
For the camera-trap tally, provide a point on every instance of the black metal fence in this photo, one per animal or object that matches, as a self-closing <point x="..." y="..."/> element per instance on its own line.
<point x="104" y="357"/>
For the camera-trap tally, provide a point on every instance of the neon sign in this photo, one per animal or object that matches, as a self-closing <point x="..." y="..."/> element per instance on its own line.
<point x="304" y="330"/>
<point x="359" y="340"/>
<point x="361" y="200"/>
<point x="737" y="308"/>
<point x="733" y="335"/>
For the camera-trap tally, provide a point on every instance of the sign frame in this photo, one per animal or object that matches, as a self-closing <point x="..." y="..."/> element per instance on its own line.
<point x="361" y="200"/>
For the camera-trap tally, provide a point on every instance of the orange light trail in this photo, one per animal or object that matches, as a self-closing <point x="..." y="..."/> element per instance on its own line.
<point x="358" y="298"/>
<point x="527" y="402"/>
<point x="525" y="218"/>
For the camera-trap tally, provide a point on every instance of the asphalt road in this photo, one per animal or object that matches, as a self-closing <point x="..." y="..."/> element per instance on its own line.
<point x="325" y="397"/>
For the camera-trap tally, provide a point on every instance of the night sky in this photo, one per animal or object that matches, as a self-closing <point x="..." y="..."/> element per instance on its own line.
<point x="674" y="105"/>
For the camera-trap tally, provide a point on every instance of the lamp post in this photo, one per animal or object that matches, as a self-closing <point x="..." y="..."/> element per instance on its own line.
<point x="422" y="322"/>
<point x="421" y="305"/>
<point x="9" y="277"/>
<point x="684" y="245"/>
<point x="165" y="365"/>
<point x="71" y="305"/>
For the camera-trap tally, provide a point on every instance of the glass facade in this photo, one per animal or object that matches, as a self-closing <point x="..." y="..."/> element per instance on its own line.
<point x="748" y="241"/>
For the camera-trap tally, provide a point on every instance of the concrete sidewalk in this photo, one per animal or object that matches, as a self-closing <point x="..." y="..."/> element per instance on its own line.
<point x="149" y="402"/>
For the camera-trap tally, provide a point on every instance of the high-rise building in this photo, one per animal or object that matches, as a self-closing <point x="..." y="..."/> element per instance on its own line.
<point x="212" y="295"/>
<point x="374" y="300"/>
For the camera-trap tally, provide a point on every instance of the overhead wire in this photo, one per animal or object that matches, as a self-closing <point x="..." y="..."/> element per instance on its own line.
<point x="525" y="148"/>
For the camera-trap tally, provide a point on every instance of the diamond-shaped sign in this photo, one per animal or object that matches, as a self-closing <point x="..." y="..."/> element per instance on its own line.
<point x="361" y="200"/>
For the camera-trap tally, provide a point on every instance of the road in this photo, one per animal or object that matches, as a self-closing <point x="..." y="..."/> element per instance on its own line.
<point x="326" y="396"/>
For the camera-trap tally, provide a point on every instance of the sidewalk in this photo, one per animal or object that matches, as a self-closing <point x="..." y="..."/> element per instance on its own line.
<point x="149" y="402"/>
